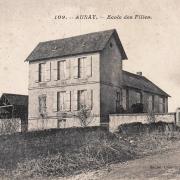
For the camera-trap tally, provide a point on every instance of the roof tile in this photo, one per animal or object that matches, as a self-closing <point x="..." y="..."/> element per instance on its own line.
<point x="92" y="42"/>
<point x="142" y="83"/>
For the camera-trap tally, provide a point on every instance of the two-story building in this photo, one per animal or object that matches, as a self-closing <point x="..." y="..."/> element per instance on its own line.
<point x="68" y="73"/>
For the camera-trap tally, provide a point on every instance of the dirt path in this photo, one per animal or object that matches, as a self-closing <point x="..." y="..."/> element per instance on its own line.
<point x="161" y="166"/>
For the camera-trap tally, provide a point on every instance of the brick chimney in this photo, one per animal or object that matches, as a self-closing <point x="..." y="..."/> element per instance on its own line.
<point x="139" y="73"/>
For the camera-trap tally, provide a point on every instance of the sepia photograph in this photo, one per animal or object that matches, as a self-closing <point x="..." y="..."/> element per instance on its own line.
<point x="89" y="90"/>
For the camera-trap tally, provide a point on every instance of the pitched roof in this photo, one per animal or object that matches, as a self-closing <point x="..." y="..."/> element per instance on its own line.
<point x="16" y="99"/>
<point x="87" y="43"/>
<point x="141" y="82"/>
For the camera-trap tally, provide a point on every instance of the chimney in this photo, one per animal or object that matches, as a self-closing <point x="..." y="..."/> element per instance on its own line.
<point x="139" y="73"/>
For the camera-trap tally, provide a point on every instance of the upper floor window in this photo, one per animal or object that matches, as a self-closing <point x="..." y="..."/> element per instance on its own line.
<point x="61" y="70"/>
<point x="82" y="67"/>
<point x="41" y="72"/>
<point x="44" y="72"/>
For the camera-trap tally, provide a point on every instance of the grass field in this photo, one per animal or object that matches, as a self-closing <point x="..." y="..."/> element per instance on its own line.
<point x="65" y="152"/>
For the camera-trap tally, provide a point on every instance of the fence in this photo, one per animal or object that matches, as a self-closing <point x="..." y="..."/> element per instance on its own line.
<point x="117" y="119"/>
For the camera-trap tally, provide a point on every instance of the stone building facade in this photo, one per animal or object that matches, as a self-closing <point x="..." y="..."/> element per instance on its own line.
<point x="69" y="73"/>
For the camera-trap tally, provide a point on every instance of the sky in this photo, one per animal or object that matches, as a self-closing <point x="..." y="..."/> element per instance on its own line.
<point x="152" y="45"/>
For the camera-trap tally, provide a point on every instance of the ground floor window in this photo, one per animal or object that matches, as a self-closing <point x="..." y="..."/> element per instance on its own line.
<point x="118" y="99"/>
<point x="82" y="98"/>
<point x="150" y="103"/>
<point x="161" y="105"/>
<point x="124" y="99"/>
<point x="61" y="101"/>
<point x="73" y="100"/>
<point x="42" y="104"/>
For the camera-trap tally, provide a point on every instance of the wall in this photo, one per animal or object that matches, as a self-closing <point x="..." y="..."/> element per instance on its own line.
<point x="50" y="89"/>
<point x="9" y="126"/>
<point x="118" y="119"/>
<point x="110" y="77"/>
<point x="132" y="98"/>
<point x="53" y="82"/>
<point x="52" y="122"/>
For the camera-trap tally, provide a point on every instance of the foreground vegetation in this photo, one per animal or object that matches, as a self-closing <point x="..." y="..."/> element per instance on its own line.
<point x="64" y="152"/>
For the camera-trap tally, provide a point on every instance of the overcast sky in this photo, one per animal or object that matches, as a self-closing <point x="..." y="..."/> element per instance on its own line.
<point x="152" y="46"/>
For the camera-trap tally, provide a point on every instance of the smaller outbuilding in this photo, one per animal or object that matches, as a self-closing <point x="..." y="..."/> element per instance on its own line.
<point x="14" y="106"/>
<point x="140" y="95"/>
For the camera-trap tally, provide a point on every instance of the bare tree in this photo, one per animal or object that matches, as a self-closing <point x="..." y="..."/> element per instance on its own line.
<point x="85" y="116"/>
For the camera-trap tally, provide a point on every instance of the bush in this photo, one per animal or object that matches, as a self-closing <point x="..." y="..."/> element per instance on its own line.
<point x="92" y="155"/>
<point x="138" y="128"/>
<point x="137" y="108"/>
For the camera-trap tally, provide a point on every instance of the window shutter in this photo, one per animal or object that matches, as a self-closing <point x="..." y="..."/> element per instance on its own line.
<point x="39" y="102"/>
<point x="48" y="71"/>
<point x="55" y="73"/>
<point x="75" y="68"/>
<point x="68" y="101"/>
<point x="75" y="100"/>
<point x="55" y="102"/>
<point x="36" y="72"/>
<point x="88" y="67"/>
<point x="90" y="98"/>
<point x="68" y="71"/>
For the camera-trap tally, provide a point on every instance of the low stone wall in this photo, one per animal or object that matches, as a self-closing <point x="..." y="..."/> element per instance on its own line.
<point x="9" y="126"/>
<point x="116" y="120"/>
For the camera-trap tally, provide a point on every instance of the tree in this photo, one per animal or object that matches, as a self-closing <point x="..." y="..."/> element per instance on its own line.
<point x="85" y="116"/>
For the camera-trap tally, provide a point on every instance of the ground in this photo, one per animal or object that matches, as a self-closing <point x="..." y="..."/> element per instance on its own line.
<point x="160" y="166"/>
<point x="136" y="151"/>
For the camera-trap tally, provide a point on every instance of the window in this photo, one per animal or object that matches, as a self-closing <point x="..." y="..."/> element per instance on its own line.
<point x="41" y="72"/>
<point x="85" y="98"/>
<point x="150" y="103"/>
<point x="124" y="99"/>
<point x="61" y="70"/>
<point x="42" y="104"/>
<point x="82" y="98"/>
<point x="117" y="101"/>
<point x="81" y="67"/>
<point x="61" y="101"/>
<point x="138" y="97"/>
<point x="161" y="105"/>
<point x="44" y="72"/>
